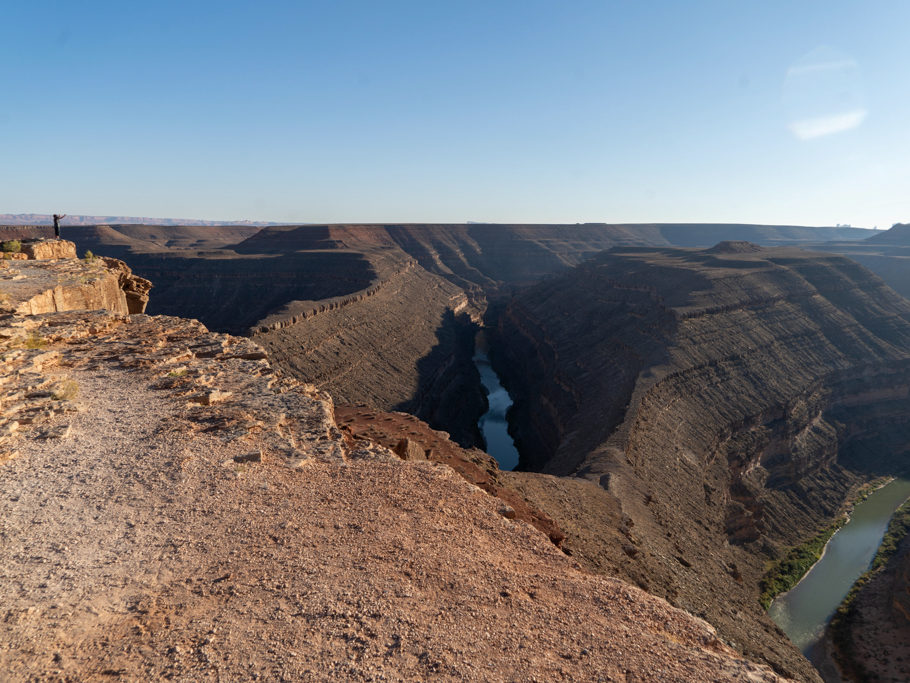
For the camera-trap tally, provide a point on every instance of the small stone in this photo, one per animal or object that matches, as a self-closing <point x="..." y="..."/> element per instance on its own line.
<point x="58" y="432"/>
<point x="406" y="449"/>
<point x="254" y="456"/>
<point x="215" y="396"/>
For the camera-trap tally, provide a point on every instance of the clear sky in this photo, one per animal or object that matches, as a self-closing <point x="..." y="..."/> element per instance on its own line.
<point x="432" y="110"/>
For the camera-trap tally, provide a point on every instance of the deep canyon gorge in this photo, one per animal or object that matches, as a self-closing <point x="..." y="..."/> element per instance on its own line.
<point x="689" y="401"/>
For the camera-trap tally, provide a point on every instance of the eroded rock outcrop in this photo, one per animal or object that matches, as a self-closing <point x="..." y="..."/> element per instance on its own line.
<point x="48" y="249"/>
<point x="51" y="279"/>
<point x="726" y="400"/>
<point x="886" y="253"/>
<point x="194" y="516"/>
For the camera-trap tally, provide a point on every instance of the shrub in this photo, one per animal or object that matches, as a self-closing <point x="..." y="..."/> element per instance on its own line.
<point x="11" y="246"/>
<point x="787" y="572"/>
<point x="89" y="256"/>
<point x="67" y="390"/>
<point x="34" y="341"/>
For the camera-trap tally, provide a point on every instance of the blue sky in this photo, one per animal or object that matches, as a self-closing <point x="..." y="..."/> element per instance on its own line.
<point x="773" y="112"/>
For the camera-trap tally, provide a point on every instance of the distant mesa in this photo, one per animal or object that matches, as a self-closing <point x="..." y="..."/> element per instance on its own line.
<point x="898" y="234"/>
<point x="39" y="219"/>
<point x="734" y="247"/>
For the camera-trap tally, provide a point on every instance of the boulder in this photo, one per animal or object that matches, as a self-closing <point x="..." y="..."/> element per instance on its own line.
<point x="410" y="450"/>
<point x="49" y="249"/>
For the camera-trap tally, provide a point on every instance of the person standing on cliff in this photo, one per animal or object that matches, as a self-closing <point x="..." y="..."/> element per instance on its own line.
<point x="57" y="218"/>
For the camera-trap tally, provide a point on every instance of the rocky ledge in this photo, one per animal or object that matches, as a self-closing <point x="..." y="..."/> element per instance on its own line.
<point x="45" y="276"/>
<point x="170" y="508"/>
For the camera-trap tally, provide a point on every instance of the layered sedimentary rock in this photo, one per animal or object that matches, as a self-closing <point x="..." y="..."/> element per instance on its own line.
<point x="238" y="279"/>
<point x="235" y="292"/>
<point x="194" y="516"/>
<point x="727" y="400"/>
<point x="405" y="344"/>
<point x="48" y="249"/>
<point x="886" y="253"/>
<point x="404" y="340"/>
<point x="214" y="273"/>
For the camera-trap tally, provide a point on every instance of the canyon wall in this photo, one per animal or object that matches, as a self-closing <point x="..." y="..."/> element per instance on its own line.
<point x="727" y="399"/>
<point x="390" y="305"/>
<point x="404" y="340"/>
<point x="404" y="344"/>
<point x="230" y="277"/>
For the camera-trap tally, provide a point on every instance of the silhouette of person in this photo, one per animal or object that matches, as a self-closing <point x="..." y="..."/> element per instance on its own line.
<point x="57" y="218"/>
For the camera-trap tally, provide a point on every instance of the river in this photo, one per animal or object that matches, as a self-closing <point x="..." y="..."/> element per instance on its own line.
<point x="493" y="423"/>
<point x="804" y="611"/>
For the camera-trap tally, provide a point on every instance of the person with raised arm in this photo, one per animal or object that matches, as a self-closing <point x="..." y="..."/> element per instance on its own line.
<point x="57" y="218"/>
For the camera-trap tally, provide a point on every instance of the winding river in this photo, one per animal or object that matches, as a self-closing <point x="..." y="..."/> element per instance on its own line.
<point x="493" y="423"/>
<point x="804" y="611"/>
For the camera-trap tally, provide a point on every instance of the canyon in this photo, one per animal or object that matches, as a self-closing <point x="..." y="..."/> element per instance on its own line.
<point x="684" y="415"/>
<point x="362" y="282"/>
<point x="173" y="507"/>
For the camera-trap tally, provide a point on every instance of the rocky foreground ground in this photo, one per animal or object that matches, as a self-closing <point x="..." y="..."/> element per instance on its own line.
<point x="171" y="509"/>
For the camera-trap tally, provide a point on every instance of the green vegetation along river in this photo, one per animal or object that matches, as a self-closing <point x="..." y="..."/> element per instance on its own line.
<point x="804" y="611"/>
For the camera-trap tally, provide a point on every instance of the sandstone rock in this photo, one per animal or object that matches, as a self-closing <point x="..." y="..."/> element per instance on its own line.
<point x="406" y="449"/>
<point x="49" y="249"/>
<point x="214" y="396"/>
<point x="134" y="287"/>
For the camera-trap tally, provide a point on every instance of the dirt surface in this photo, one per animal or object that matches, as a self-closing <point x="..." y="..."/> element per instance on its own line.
<point x="139" y="555"/>
<point x="411" y="437"/>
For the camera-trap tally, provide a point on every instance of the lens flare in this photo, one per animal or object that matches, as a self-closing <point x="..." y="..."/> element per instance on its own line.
<point x="823" y="94"/>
